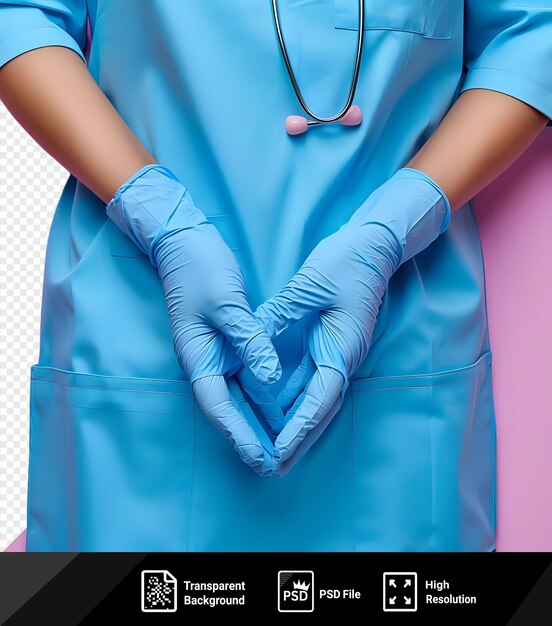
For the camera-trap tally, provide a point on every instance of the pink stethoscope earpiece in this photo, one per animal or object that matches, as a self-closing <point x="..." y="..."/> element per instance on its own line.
<point x="297" y="124"/>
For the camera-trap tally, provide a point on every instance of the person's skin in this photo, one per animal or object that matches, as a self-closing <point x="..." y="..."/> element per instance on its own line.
<point x="481" y="135"/>
<point x="51" y="93"/>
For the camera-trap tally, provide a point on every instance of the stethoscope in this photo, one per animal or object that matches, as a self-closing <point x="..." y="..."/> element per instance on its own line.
<point x="351" y="115"/>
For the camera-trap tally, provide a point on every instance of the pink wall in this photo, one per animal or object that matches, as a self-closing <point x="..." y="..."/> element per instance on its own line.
<point x="515" y="218"/>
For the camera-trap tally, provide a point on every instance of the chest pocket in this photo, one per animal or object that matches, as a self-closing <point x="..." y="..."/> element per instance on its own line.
<point x="433" y="19"/>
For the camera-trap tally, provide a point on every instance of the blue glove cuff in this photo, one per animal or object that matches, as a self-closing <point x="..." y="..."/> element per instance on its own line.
<point x="138" y="174"/>
<point x="424" y="176"/>
<point x="411" y="206"/>
<point x="145" y="203"/>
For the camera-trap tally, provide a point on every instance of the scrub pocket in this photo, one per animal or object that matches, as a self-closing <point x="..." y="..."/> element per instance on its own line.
<point x="434" y="19"/>
<point x="110" y="462"/>
<point x="424" y="461"/>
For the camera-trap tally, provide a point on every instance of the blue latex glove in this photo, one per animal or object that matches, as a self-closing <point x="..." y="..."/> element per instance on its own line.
<point x="342" y="283"/>
<point x="213" y="327"/>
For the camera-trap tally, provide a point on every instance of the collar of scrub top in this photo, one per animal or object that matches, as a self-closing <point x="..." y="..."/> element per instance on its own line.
<point x="350" y="115"/>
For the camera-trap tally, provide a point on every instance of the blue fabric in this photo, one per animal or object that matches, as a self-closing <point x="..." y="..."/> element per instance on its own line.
<point x="507" y="49"/>
<point x="27" y="25"/>
<point x="122" y="456"/>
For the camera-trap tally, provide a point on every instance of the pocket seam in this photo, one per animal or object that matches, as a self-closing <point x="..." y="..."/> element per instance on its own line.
<point x="120" y="255"/>
<point x="37" y="367"/>
<point x="494" y="467"/>
<point x="452" y="382"/>
<point x="109" y="382"/>
<point x="172" y="393"/>
<point x="450" y="31"/>
<point x="109" y="410"/>
<point x="126" y="250"/>
<point x="341" y="22"/>
<point x="122" y="248"/>
<point x="394" y="29"/>
<point x="379" y="382"/>
<point x="218" y="220"/>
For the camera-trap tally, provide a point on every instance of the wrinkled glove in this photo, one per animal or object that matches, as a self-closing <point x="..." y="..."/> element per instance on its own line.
<point x="342" y="283"/>
<point x="213" y="327"/>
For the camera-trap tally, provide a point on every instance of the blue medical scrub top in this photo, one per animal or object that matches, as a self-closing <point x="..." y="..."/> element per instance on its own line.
<point x="121" y="457"/>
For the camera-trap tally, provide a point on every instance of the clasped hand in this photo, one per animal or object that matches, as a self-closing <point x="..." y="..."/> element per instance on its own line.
<point x="219" y="341"/>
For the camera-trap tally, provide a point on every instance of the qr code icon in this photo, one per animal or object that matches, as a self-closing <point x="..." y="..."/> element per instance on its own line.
<point x="158" y="591"/>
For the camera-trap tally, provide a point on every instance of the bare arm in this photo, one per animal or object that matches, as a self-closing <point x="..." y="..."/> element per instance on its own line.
<point x="51" y="93"/>
<point x="482" y="134"/>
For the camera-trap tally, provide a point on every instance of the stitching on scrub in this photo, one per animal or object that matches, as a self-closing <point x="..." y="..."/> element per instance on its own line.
<point x="353" y="475"/>
<point x="389" y="28"/>
<point x="452" y="382"/>
<point x="457" y="370"/>
<point x="339" y="26"/>
<point x="95" y="408"/>
<point x="129" y="256"/>
<point x="484" y="274"/>
<point x="497" y="69"/>
<point x="452" y="26"/>
<point x="494" y="467"/>
<point x="27" y="30"/>
<point x="427" y="312"/>
<point x="432" y="455"/>
<point x="341" y="22"/>
<point x="39" y="368"/>
<point x="30" y="470"/>
<point x="192" y="471"/>
<point x="70" y="479"/>
<point x="170" y="393"/>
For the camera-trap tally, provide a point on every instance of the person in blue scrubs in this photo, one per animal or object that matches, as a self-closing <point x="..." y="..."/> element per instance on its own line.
<point x="317" y="298"/>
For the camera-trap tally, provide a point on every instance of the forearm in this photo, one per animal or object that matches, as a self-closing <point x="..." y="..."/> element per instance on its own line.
<point x="51" y="93"/>
<point x="482" y="134"/>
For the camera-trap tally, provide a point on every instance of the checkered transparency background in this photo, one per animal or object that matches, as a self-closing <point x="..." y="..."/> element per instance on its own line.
<point x="30" y="185"/>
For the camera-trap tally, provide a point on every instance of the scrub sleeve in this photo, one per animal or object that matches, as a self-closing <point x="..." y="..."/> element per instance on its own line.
<point x="28" y="25"/>
<point x="508" y="48"/>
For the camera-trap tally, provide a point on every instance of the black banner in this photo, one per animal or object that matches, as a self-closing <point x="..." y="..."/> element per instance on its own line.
<point x="410" y="588"/>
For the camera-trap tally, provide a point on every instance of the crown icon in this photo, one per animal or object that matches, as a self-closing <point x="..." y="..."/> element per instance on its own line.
<point x="301" y="585"/>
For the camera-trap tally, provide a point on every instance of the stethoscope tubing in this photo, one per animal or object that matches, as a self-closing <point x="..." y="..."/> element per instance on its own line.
<point x="358" y="58"/>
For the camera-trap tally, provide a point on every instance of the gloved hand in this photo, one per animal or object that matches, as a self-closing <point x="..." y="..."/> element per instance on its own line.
<point x="342" y="283"/>
<point x="213" y="327"/>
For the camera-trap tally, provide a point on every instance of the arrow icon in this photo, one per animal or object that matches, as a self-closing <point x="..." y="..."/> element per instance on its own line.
<point x="400" y="589"/>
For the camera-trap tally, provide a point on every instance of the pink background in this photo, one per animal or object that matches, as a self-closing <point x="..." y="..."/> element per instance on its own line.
<point x="515" y="218"/>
